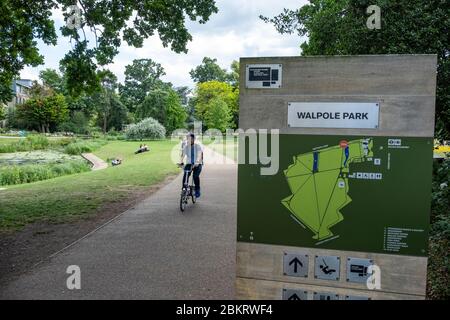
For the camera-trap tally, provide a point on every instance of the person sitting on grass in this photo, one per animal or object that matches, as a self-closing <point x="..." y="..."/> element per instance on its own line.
<point x="139" y="150"/>
<point x="142" y="148"/>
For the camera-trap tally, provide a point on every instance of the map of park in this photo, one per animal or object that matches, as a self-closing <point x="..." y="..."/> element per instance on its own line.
<point x="318" y="181"/>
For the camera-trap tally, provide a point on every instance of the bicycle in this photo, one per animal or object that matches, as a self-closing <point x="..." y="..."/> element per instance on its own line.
<point x="188" y="189"/>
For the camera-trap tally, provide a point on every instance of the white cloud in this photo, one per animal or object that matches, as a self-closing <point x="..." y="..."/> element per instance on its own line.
<point x="236" y="31"/>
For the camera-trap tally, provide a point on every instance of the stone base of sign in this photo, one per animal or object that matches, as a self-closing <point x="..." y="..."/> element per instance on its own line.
<point x="260" y="273"/>
<point x="254" y="289"/>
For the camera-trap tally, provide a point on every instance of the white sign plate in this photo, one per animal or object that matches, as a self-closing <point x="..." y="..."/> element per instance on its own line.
<point x="351" y="115"/>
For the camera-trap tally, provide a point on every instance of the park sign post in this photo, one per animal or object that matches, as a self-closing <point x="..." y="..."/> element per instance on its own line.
<point x="346" y="216"/>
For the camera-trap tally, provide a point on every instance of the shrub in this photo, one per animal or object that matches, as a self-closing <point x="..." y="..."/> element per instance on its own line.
<point x="439" y="249"/>
<point x="37" y="142"/>
<point x="78" y="123"/>
<point x="32" y="142"/>
<point x="10" y="175"/>
<point x="114" y="135"/>
<point x="148" y="128"/>
<point x="82" y="146"/>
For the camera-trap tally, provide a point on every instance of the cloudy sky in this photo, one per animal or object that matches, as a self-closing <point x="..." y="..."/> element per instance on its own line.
<point x="235" y="31"/>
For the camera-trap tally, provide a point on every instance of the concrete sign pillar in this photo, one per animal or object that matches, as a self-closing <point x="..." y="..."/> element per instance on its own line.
<point x="337" y="203"/>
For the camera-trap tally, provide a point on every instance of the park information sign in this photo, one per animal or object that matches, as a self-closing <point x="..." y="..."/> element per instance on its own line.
<point x="361" y="193"/>
<point x="333" y="115"/>
<point x="337" y="205"/>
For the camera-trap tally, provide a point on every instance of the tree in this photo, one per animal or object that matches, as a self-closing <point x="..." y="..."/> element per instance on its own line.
<point x="142" y="76"/>
<point x="2" y="112"/>
<point x="233" y="76"/>
<point x="176" y="113"/>
<point x="52" y="79"/>
<point x="44" y="112"/>
<point x="109" y="22"/>
<point x="106" y="100"/>
<point x="57" y="82"/>
<point x="154" y="106"/>
<point x="80" y="70"/>
<point x="112" y="113"/>
<point x="209" y="70"/>
<point x="19" y="24"/>
<point x="207" y="91"/>
<point x="184" y="94"/>
<point x="407" y="27"/>
<point x="217" y="115"/>
<point x="164" y="105"/>
<point x="78" y="123"/>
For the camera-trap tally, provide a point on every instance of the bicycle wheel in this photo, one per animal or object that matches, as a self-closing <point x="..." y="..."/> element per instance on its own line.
<point x="193" y="197"/>
<point x="183" y="201"/>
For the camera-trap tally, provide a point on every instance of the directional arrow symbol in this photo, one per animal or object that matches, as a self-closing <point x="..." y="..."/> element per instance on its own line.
<point x="296" y="262"/>
<point x="294" y="297"/>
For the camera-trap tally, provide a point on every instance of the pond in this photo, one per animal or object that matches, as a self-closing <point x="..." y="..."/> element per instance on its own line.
<point x="35" y="157"/>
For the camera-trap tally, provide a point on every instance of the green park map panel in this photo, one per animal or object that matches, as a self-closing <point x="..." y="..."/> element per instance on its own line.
<point x="369" y="194"/>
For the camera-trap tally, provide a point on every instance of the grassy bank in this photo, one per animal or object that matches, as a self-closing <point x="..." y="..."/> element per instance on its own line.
<point x="8" y="141"/>
<point x="82" y="146"/>
<point x="81" y="195"/>
<point x="72" y="146"/>
<point x="10" y="175"/>
<point x="29" y="144"/>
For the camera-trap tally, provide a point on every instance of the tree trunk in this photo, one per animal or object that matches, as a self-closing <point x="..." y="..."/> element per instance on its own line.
<point x="104" y="123"/>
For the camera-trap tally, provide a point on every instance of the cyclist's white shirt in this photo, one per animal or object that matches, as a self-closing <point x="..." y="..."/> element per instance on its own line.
<point x="198" y="153"/>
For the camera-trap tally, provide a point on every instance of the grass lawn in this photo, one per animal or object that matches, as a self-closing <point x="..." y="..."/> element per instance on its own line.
<point x="8" y="140"/>
<point x="81" y="195"/>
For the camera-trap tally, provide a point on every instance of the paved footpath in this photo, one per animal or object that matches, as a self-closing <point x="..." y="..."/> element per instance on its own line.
<point x="97" y="163"/>
<point x="151" y="251"/>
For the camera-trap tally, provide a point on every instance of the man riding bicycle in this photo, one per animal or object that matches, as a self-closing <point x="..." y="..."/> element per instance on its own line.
<point x="193" y="152"/>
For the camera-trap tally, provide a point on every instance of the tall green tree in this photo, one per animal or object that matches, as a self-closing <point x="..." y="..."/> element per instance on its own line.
<point x="176" y="112"/>
<point x="20" y="23"/>
<point x="77" y="123"/>
<point x="163" y="104"/>
<point x="217" y="115"/>
<point x="207" y="91"/>
<point x="407" y="27"/>
<point x="109" y="22"/>
<point x="52" y="79"/>
<point x="154" y="106"/>
<point x="106" y="101"/>
<point x="209" y="70"/>
<point x="2" y="112"/>
<point x="80" y="70"/>
<point x="184" y="93"/>
<point x="44" y="110"/>
<point x="141" y="76"/>
<point x="111" y="112"/>
<point x="233" y="76"/>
